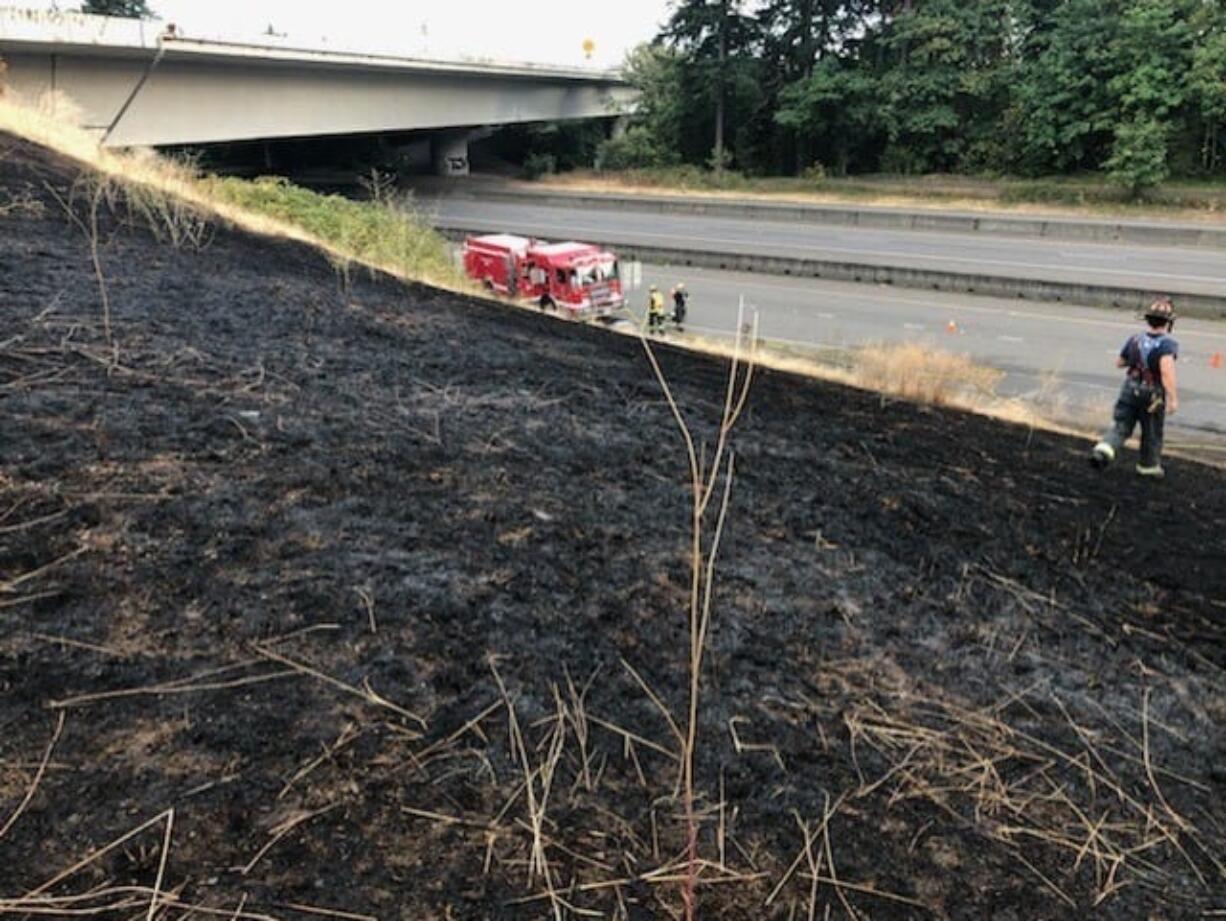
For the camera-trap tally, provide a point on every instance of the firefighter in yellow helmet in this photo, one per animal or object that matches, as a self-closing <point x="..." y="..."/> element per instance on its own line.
<point x="655" y="310"/>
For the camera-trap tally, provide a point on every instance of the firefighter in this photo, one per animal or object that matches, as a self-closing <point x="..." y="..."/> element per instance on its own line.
<point x="681" y="299"/>
<point x="655" y="310"/>
<point x="1149" y="391"/>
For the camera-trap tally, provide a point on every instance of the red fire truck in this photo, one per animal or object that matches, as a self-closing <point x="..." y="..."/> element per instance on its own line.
<point x="578" y="279"/>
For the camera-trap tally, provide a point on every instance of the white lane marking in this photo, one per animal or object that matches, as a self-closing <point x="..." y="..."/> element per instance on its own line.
<point x="913" y="326"/>
<point x="811" y="249"/>
<point x="894" y="296"/>
<point x="1010" y="338"/>
<point x="824" y="316"/>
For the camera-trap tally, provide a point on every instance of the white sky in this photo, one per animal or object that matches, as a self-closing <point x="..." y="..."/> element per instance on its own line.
<point x="544" y="31"/>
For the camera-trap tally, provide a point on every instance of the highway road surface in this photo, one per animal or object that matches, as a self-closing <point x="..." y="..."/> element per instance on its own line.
<point x="1195" y="270"/>
<point x="1062" y="357"/>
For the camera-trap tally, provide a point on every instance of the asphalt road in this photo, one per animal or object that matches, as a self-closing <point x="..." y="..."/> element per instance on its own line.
<point x="1187" y="270"/>
<point x="1061" y="356"/>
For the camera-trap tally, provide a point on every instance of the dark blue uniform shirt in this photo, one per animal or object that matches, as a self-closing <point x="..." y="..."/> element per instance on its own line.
<point x="1143" y="353"/>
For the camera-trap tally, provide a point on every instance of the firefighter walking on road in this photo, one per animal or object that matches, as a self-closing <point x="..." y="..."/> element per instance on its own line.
<point x="681" y="300"/>
<point x="655" y="310"/>
<point x="1149" y="392"/>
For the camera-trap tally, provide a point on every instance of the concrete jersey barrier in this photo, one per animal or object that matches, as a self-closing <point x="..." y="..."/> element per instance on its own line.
<point x="1153" y="233"/>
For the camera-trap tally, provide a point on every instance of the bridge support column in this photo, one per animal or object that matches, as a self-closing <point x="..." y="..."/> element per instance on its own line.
<point x="449" y="152"/>
<point x="621" y="125"/>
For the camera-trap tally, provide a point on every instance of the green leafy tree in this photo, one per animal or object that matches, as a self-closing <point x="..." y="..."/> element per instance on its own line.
<point x="1134" y="87"/>
<point x="1207" y="82"/>
<point x="1139" y="156"/>
<point x="662" y="108"/>
<point x="716" y="43"/>
<point x="1155" y="42"/>
<point x="946" y="84"/>
<point x="835" y="108"/>
<point x="130" y="9"/>
<point x="800" y="36"/>
<point x="636" y="148"/>
<point x="1066" y="110"/>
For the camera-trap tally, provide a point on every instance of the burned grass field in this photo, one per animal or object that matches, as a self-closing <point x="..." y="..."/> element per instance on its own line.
<point x="323" y="596"/>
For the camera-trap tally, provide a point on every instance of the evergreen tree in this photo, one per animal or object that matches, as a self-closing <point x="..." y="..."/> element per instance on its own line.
<point x="1134" y="87"/>
<point x="1067" y="112"/>
<point x="130" y="9"/>
<point x="946" y="84"/>
<point x="715" y="41"/>
<point x="1207" y="83"/>
<point x="836" y="108"/>
<point x="1154" y="43"/>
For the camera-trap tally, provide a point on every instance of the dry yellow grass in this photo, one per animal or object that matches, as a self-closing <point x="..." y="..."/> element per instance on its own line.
<point x="926" y="375"/>
<point x="627" y="185"/>
<point x="906" y="371"/>
<point x="51" y="121"/>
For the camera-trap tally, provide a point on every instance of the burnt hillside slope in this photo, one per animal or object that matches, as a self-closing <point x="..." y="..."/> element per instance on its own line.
<point x="270" y="552"/>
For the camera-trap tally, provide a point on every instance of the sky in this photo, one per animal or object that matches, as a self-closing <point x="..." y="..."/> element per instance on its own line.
<point x="539" y="31"/>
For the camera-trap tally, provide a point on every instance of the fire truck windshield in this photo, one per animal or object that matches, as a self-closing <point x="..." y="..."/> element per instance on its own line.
<point x="595" y="272"/>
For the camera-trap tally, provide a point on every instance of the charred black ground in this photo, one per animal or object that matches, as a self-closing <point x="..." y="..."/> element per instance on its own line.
<point x="998" y="674"/>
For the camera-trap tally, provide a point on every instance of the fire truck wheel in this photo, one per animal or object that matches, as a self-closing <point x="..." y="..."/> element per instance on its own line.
<point x="546" y="302"/>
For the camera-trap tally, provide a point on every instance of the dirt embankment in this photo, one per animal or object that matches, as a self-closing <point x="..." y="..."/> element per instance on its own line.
<point x="270" y="553"/>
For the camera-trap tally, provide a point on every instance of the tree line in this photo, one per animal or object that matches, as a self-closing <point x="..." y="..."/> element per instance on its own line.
<point x="1135" y="88"/>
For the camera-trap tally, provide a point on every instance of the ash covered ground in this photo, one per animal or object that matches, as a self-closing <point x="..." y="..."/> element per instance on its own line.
<point x="270" y="555"/>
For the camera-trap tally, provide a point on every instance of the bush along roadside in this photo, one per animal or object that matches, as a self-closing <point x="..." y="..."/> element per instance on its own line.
<point x="382" y="231"/>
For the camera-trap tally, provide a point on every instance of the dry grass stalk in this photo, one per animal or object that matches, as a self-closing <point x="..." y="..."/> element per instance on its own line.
<point x="190" y="685"/>
<point x="157" y="883"/>
<point x="740" y="746"/>
<point x="368" y="603"/>
<point x="575" y="709"/>
<point x="366" y="692"/>
<point x="422" y="757"/>
<point x="129" y="897"/>
<point x="91" y="232"/>
<point x="704" y="550"/>
<point x="633" y="738"/>
<point x="1018" y="787"/>
<point x="348" y="736"/>
<point x="327" y="912"/>
<point x="283" y="828"/>
<point x="537" y="797"/>
<point x="95" y="854"/>
<point x="38" y="776"/>
<point x="659" y="704"/>
<point x="13" y="584"/>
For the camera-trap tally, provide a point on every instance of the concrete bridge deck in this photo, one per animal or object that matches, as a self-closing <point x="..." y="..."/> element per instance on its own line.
<point x="145" y="84"/>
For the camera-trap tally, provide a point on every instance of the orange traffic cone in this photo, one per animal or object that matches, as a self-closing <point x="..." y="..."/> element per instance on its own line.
<point x="951" y="328"/>
<point x="1215" y="360"/>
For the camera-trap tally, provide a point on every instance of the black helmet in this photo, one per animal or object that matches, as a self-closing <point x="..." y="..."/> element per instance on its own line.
<point x="1161" y="311"/>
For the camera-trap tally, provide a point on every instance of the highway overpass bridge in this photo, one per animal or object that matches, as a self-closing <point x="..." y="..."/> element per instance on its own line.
<point x="146" y="84"/>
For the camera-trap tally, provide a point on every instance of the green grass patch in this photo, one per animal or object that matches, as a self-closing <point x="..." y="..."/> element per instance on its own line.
<point x="1090" y="193"/>
<point x="381" y="231"/>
